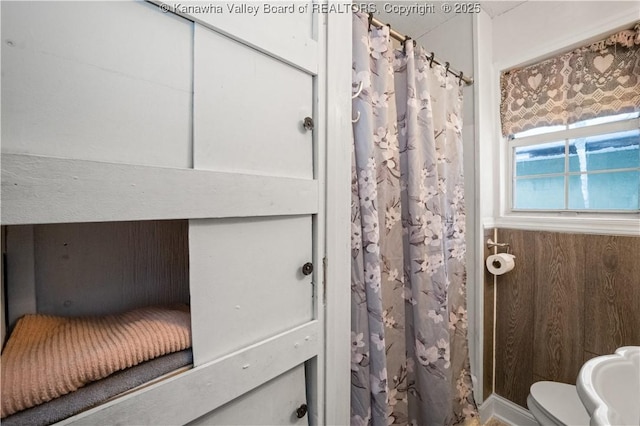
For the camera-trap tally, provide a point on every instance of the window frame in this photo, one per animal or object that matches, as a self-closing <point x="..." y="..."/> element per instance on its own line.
<point x="558" y="136"/>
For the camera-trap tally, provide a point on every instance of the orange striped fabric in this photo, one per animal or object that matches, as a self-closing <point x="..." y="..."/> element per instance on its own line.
<point x="48" y="356"/>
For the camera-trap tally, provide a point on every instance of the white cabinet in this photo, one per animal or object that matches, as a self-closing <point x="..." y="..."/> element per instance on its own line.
<point x="277" y="400"/>
<point x="105" y="81"/>
<point x="158" y="154"/>
<point x="247" y="282"/>
<point x="249" y="109"/>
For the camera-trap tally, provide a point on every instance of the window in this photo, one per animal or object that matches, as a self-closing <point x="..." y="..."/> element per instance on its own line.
<point x="591" y="165"/>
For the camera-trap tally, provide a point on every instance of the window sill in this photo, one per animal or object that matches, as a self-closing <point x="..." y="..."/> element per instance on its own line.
<point x="629" y="224"/>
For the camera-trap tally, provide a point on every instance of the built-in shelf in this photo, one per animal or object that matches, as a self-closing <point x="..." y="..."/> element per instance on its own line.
<point x="38" y="189"/>
<point x="209" y="386"/>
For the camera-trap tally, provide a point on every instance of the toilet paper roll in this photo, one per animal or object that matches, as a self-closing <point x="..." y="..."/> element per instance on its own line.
<point x="500" y="263"/>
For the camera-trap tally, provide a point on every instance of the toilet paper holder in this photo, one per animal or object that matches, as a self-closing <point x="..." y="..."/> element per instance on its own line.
<point x="491" y="244"/>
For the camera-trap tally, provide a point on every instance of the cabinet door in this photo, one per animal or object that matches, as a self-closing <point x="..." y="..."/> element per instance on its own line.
<point x="249" y="110"/>
<point x="275" y="403"/>
<point x="247" y="282"/>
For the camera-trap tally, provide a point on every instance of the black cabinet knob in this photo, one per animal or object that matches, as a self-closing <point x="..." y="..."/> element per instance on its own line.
<point x="301" y="411"/>
<point x="307" y="268"/>
<point x="308" y="123"/>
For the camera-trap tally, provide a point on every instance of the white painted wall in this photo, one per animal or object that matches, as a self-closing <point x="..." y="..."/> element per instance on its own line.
<point x="536" y="29"/>
<point x="452" y="41"/>
<point x="122" y="71"/>
<point x="485" y="112"/>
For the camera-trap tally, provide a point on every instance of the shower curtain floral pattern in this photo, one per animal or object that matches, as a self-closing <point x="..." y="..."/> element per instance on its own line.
<point x="409" y="353"/>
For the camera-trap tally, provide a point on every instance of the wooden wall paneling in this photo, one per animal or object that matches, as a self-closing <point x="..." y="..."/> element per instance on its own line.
<point x="104" y="268"/>
<point x="20" y="273"/>
<point x="570" y="298"/>
<point x="612" y="302"/>
<point x="515" y="320"/>
<point x="489" y="292"/>
<point x="537" y="378"/>
<point x="589" y="355"/>
<point x="559" y="305"/>
<point x="3" y="325"/>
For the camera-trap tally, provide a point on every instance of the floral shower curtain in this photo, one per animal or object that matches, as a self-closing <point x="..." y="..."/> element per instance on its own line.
<point x="410" y="362"/>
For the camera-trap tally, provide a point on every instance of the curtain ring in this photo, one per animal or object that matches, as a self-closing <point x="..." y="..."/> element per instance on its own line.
<point x="360" y="87"/>
<point x="404" y="44"/>
<point x="460" y="78"/>
<point x="433" y="55"/>
<point x="446" y="68"/>
<point x="370" y="20"/>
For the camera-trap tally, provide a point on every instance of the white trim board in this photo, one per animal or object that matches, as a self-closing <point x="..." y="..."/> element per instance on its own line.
<point x="629" y="226"/>
<point x="52" y="190"/>
<point x="589" y="34"/>
<point x="506" y="411"/>
<point x="484" y="128"/>
<point x="488" y="223"/>
<point x="337" y="291"/>
<point x="187" y="396"/>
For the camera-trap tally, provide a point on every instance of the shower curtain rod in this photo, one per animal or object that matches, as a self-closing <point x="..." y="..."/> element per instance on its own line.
<point x="402" y="38"/>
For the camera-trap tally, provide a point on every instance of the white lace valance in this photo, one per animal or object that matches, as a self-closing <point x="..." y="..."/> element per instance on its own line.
<point x="592" y="81"/>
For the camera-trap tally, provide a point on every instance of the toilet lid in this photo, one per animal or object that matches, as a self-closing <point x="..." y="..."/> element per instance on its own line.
<point x="560" y="401"/>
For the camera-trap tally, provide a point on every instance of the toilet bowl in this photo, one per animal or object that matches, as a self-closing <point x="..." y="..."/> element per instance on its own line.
<point x="556" y="404"/>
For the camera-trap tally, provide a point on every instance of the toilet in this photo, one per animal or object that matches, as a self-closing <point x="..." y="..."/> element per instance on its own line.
<point x="556" y="404"/>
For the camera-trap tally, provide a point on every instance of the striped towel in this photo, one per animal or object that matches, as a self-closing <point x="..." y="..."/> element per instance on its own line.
<point x="48" y="356"/>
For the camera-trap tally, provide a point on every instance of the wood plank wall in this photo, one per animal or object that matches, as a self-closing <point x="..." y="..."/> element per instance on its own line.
<point x="571" y="297"/>
<point x="97" y="268"/>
